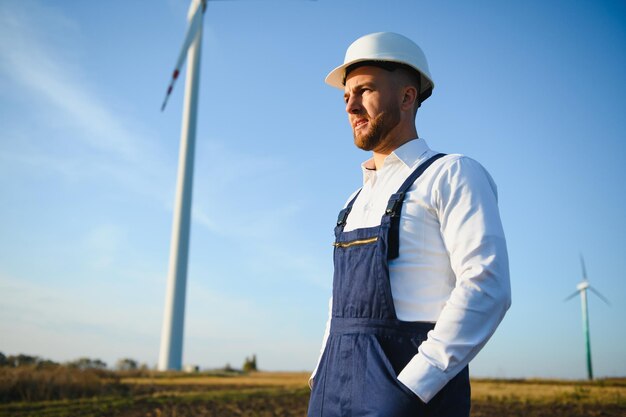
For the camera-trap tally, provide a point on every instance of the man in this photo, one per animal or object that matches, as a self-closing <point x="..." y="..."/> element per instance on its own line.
<point x="421" y="270"/>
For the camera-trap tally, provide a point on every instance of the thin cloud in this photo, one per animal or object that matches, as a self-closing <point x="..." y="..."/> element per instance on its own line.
<point x="38" y="65"/>
<point x="35" y="62"/>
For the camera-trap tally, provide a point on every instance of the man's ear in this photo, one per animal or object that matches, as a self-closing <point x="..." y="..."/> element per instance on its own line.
<point x="409" y="97"/>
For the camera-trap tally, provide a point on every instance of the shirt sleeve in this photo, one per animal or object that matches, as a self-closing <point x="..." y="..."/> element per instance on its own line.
<point x="324" y="340"/>
<point x="465" y="199"/>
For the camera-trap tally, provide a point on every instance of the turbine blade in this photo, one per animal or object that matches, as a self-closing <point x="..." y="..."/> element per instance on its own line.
<point x="582" y="263"/>
<point x="195" y="23"/>
<point x="571" y="296"/>
<point x="603" y="298"/>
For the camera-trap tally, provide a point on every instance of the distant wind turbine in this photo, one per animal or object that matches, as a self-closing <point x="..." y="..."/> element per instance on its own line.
<point x="581" y="289"/>
<point x="171" y="354"/>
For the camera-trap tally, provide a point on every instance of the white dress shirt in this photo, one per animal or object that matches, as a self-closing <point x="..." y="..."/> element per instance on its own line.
<point x="453" y="266"/>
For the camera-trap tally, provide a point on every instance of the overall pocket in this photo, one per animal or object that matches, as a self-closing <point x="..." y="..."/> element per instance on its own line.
<point x="380" y="392"/>
<point x="318" y="391"/>
<point x="332" y="395"/>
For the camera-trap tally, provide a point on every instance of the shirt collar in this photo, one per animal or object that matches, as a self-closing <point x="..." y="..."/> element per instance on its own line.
<point x="408" y="154"/>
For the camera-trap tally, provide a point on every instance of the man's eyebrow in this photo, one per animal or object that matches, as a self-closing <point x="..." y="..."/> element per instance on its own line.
<point x="361" y="86"/>
<point x="366" y="84"/>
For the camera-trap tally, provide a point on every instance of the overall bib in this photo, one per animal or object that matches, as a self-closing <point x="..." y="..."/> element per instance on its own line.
<point x="368" y="346"/>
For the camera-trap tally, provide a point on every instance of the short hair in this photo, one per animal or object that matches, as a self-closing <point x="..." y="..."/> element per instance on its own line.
<point x="390" y="66"/>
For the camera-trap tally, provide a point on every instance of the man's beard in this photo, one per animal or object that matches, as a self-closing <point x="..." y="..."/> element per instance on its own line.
<point x="377" y="130"/>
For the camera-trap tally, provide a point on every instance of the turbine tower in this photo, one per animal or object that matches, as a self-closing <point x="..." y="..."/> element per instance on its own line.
<point x="171" y="353"/>
<point x="581" y="289"/>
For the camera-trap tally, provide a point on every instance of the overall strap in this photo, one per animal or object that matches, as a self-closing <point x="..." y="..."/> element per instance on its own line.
<point x="394" y="206"/>
<point x="343" y="214"/>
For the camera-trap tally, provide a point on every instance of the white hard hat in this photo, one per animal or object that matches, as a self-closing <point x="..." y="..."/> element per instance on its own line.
<point x="389" y="47"/>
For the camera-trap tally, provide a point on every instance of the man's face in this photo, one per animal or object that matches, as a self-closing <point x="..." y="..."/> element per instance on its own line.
<point x="372" y="105"/>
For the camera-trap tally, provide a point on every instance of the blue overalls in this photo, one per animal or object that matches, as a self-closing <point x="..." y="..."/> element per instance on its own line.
<point x="368" y="346"/>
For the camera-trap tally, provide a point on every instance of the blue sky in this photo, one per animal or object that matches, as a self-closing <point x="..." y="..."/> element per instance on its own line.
<point x="533" y="90"/>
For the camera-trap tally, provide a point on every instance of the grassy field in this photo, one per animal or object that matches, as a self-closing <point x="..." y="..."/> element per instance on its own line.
<point x="286" y="394"/>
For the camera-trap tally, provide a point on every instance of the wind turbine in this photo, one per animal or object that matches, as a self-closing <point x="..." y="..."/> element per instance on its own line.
<point x="581" y="289"/>
<point x="171" y="353"/>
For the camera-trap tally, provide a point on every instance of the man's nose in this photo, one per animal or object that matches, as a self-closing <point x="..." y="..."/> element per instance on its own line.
<point x="353" y="105"/>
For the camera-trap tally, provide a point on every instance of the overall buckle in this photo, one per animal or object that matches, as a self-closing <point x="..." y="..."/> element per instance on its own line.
<point x="394" y="206"/>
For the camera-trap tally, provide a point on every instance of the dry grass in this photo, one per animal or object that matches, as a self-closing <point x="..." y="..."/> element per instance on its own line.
<point x="256" y="379"/>
<point x="29" y="383"/>
<point x="545" y="391"/>
<point x="286" y="394"/>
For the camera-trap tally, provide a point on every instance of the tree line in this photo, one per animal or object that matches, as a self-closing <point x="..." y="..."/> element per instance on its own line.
<point x="85" y="363"/>
<point x="22" y="360"/>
